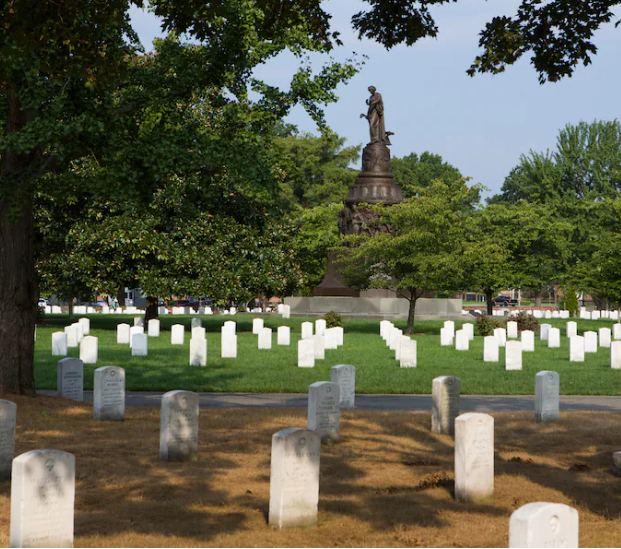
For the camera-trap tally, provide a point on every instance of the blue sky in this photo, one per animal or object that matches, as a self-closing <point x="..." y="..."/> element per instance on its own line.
<point x="480" y="125"/>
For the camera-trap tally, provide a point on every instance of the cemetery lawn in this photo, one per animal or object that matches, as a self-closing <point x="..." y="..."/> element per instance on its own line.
<point x="275" y="371"/>
<point x="387" y="483"/>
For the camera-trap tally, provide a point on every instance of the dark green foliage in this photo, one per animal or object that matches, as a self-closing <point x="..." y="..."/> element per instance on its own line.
<point x="526" y="322"/>
<point x="485" y="325"/>
<point x="571" y="302"/>
<point x="333" y="320"/>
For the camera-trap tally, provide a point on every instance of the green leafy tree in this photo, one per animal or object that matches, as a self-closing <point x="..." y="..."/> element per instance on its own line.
<point x="425" y="250"/>
<point x="413" y="172"/>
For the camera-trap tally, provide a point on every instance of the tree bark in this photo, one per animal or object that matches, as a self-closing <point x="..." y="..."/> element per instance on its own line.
<point x="120" y="297"/>
<point x="70" y="308"/>
<point x="488" y="298"/>
<point x="414" y="295"/>
<point x="538" y="299"/>
<point x="151" y="310"/>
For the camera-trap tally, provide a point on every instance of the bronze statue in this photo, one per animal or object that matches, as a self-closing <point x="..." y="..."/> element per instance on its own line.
<point x="375" y="117"/>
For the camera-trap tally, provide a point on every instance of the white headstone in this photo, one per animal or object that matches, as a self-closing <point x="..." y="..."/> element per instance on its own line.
<point x="571" y="328"/>
<point x="307" y="330"/>
<point x="86" y="325"/>
<point x="122" y="334"/>
<point x="576" y="349"/>
<point x="468" y="327"/>
<point x="513" y="355"/>
<point x="179" y="426"/>
<point x="542" y="524"/>
<point x="323" y="409"/>
<point x="394" y="338"/>
<point x="547" y="389"/>
<point x="446" y="337"/>
<point x="490" y="349"/>
<point x="564" y="314"/>
<point x="228" y="343"/>
<point x="306" y="353"/>
<point x="198" y="332"/>
<point x="265" y="338"/>
<point x="384" y="325"/>
<point x="133" y="331"/>
<point x="257" y="325"/>
<point x="501" y="336"/>
<point x="331" y="338"/>
<point x="461" y="340"/>
<point x="445" y="394"/>
<point x="196" y="323"/>
<point x="138" y="321"/>
<point x="319" y="341"/>
<point x="70" y="379"/>
<point x="109" y="394"/>
<point x="595" y="315"/>
<point x="294" y="478"/>
<point x="548" y="314"/>
<point x="231" y="326"/>
<point x="153" y="327"/>
<point x="590" y="342"/>
<point x="59" y="344"/>
<point x="474" y="458"/>
<point x="177" y="334"/>
<point x="449" y="325"/>
<point x="605" y="337"/>
<point x="615" y="355"/>
<point x="284" y="335"/>
<point x="88" y="350"/>
<point x="512" y="329"/>
<point x="72" y="335"/>
<point x="543" y="331"/>
<point x="140" y="344"/>
<point x="8" y="420"/>
<point x="554" y="337"/>
<point x="320" y="326"/>
<point x="527" y="337"/>
<point x="198" y="351"/>
<point x="79" y="331"/>
<point x="538" y="314"/>
<point x="286" y="311"/>
<point x="42" y="499"/>
<point x="407" y="353"/>
<point x="345" y="376"/>
<point x="616" y="331"/>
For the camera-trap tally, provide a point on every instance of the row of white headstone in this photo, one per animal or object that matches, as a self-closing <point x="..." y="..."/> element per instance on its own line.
<point x="313" y="346"/>
<point x="403" y="346"/>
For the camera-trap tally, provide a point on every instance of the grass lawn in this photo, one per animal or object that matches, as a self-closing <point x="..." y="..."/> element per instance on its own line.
<point x="167" y="366"/>
<point x="387" y="483"/>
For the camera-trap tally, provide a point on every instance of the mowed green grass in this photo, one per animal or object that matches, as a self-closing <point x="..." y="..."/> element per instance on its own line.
<point x="255" y="371"/>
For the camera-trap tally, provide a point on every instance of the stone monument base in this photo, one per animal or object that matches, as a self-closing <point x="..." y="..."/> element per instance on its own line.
<point x="376" y="307"/>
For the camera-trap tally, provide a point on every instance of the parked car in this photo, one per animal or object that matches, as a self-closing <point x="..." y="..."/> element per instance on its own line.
<point x="504" y="301"/>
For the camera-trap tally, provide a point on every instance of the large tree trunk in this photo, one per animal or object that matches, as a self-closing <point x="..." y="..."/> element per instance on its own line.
<point x="151" y="310"/>
<point x="414" y="295"/>
<point x="120" y="296"/>
<point x="489" y="294"/>
<point x="70" y="308"/>
<point x="18" y="284"/>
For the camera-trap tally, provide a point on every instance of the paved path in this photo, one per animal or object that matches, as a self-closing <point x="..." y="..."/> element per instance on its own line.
<point x="469" y="403"/>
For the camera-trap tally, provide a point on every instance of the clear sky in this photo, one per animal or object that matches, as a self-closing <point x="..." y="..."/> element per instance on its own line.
<point x="480" y="125"/>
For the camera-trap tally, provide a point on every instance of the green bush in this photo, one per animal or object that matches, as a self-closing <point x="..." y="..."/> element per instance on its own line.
<point x="571" y="302"/>
<point x="333" y="320"/>
<point x="526" y="322"/>
<point x="485" y="325"/>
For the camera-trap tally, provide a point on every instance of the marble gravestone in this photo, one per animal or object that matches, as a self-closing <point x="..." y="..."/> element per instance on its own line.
<point x="512" y="329"/>
<point x="461" y="340"/>
<point x="542" y="524"/>
<point x="257" y="325"/>
<point x="527" y="337"/>
<point x="407" y="353"/>
<point x="72" y="335"/>
<point x="306" y="353"/>
<point x="543" y="331"/>
<point x="468" y="327"/>
<point x="513" y="355"/>
<point x="307" y="330"/>
<point x="501" y="336"/>
<point x="340" y="333"/>
<point x="265" y="338"/>
<point x="177" y="334"/>
<point x="490" y="349"/>
<point x="59" y="344"/>
<point x="230" y="325"/>
<point x="345" y="376"/>
<point x="323" y="409"/>
<point x="153" y="327"/>
<point x="320" y="326"/>
<point x="576" y="349"/>
<point x="331" y="338"/>
<point x="198" y="332"/>
<point x="445" y="394"/>
<point x="446" y="337"/>
<point x="179" y="426"/>
<point x="590" y="342"/>
<point x="547" y="390"/>
<point x="109" y="394"/>
<point x="8" y="421"/>
<point x="88" y="350"/>
<point x="319" y="345"/>
<point x="198" y="351"/>
<point x="70" y="379"/>
<point x="616" y="331"/>
<point x="122" y="334"/>
<point x="294" y="478"/>
<point x="86" y="325"/>
<point x="605" y="337"/>
<point x="228" y="343"/>
<point x="474" y="458"/>
<point x="615" y="355"/>
<point x="283" y="335"/>
<point x="449" y="326"/>
<point x="42" y="499"/>
<point x="571" y="328"/>
<point x="132" y="332"/>
<point x="196" y="323"/>
<point x="140" y="344"/>
<point x="554" y="338"/>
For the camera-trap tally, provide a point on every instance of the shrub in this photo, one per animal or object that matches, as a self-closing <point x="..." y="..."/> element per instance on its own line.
<point x="571" y="302"/>
<point x="333" y="320"/>
<point x="526" y="322"/>
<point x="485" y="325"/>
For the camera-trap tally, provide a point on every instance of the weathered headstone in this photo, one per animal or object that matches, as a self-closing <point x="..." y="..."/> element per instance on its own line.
<point x="319" y="346"/>
<point x="86" y="325"/>
<point x="461" y="340"/>
<point x="109" y="394"/>
<point x="543" y="331"/>
<point x="257" y="325"/>
<point x="42" y="499"/>
<point x="179" y="426"/>
<point x="468" y="327"/>
<point x="501" y="336"/>
<point x="139" y="321"/>
<point x="513" y="355"/>
<point x="445" y="394"/>
<point x="512" y="329"/>
<point x="527" y="337"/>
<point x="474" y="458"/>
<point x="446" y="337"/>
<point x="331" y="338"/>
<point x="228" y="343"/>
<point x="323" y="409"/>
<point x="140" y="344"/>
<point x="490" y="349"/>
<point x="153" y="327"/>
<point x="605" y="337"/>
<point x="547" y="389"/>
<point x="576" y="349"/>
<point x="294" y="478"/>
<point x="306" y="353"/>
<point x="284" y="335"/>
<point x="616" y="330"/>
<point x="177" y="334"/>
<point x="265" y="338"/>
<point x="554" y="337"/>
<point x="571" y="328"/>
<point x="122" y="334"/>
<point x="79" y="331"/>
<point x="72" y="335"/>
<point x="88" y="350"/>
<point x="345" y="376"/>
<point x="590" y="342"/>
<point x="70" y="379"/>
<point x="340" y="333"/>
<point x="198" y="332"/>
<point x="59" y="344"/>
<point x="8" y="420"/>
<point x="615" y="355"/>
<point x="133" y="331"/>
<point x="198" y="351"/>
<point x="196" y="323"/>
<point x="320" y="326"/>
<point x="542" y="524"/>
<point x="307" y="330"/>
<point x="407" y="353"/>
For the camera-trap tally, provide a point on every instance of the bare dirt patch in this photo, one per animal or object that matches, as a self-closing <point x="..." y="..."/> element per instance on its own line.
<point x="389" y="481"/>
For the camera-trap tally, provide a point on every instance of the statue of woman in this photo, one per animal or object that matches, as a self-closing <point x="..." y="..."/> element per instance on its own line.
<point x="375" y="117"/>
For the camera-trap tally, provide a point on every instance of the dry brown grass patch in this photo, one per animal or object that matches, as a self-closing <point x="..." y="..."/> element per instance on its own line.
<point x="389" y="482"/>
